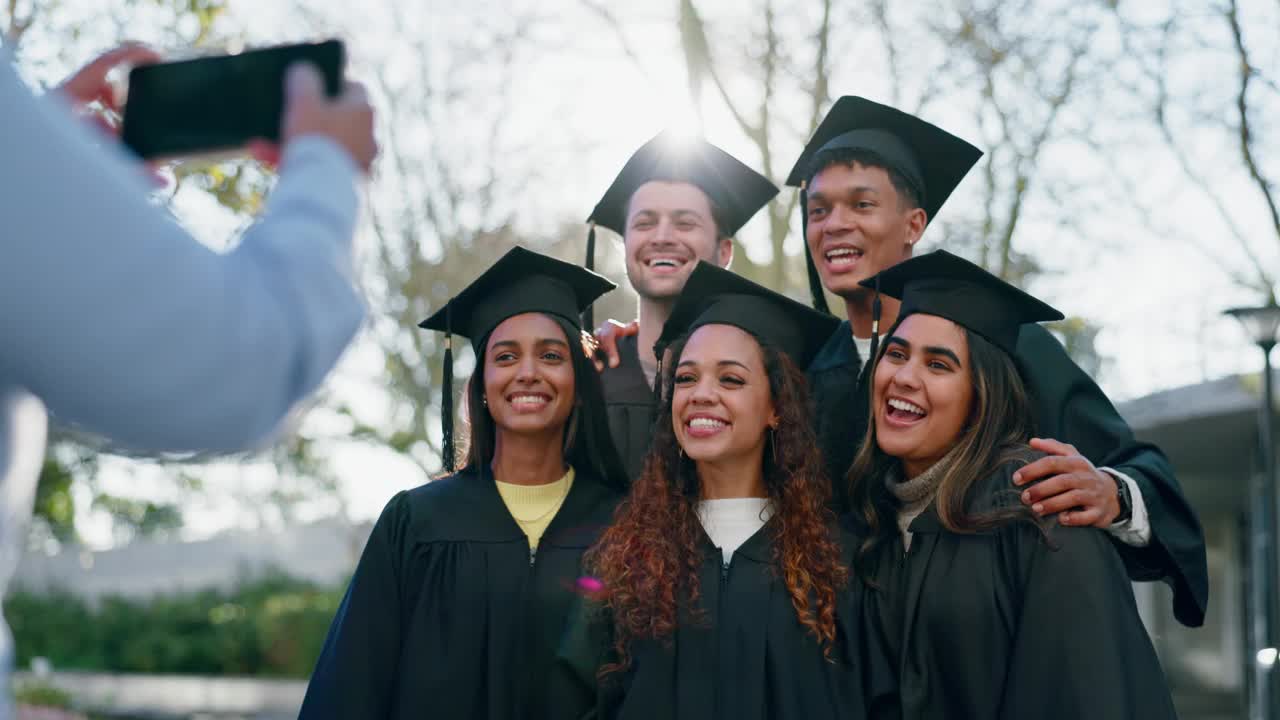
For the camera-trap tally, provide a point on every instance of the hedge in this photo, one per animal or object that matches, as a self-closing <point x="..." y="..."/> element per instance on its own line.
<point x="270" y="627"/>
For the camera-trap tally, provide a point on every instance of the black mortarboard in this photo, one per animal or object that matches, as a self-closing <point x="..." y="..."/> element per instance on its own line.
<point x="939" y="283"/>
<point x="713" y="295"/>
<point x="932" y="160"/>
<point x="519" y="282"/>
<point x="738" y="191"/>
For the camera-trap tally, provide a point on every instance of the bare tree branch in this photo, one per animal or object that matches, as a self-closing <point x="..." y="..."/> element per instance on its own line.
<point x="1242" y="111"/>
<point x="821" y="93"/>
<point x="1200" y="180"/>
<point x="18" y="27"/>
<point x="611" y="20"/>
<point x="880" y="14"/>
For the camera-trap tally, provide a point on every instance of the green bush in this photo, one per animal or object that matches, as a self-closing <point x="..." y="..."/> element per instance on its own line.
<point x="41" y="695"/>
<point x="273" y="626"/>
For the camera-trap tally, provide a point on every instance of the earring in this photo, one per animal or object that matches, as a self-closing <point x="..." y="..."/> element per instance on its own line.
<point x="484" y="400"/>
<point x="773" y="444"/>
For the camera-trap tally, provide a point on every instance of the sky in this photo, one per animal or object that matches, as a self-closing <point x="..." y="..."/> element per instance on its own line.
<point x="1146" y="278"/>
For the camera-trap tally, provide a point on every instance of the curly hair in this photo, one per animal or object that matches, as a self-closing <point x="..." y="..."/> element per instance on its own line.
<point x="648" y="560"/>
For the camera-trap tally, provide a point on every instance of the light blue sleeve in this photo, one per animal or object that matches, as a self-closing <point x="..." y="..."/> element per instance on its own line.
<point x="126" y="326"/>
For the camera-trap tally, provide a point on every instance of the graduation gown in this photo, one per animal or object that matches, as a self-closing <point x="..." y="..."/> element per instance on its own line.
<point x="449" y="614"/>
<point x="628" y="400"/>
<point x="1002" y="626"/>
<point x="750" y="659"/>
<point x="1069" y="407"/>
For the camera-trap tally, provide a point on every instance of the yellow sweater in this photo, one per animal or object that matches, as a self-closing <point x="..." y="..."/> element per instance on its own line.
<point x="535" y="506"/>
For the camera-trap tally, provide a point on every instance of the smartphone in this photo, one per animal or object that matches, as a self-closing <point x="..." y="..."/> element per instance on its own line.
<point x="212" y="104"/>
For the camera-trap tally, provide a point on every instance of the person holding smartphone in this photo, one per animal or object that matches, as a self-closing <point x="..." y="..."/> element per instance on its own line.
<point x="115" y="319"/>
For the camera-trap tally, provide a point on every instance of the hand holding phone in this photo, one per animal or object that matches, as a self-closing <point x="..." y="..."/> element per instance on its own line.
<point x="89" y="84"/>
<point x="97" y="100"/>
<point x="348" y="120"/>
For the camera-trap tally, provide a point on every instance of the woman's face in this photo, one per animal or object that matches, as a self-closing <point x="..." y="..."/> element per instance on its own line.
<point x="923" y="391"/>
<point x="721" y="404"/>
<point x="528" y="375"/>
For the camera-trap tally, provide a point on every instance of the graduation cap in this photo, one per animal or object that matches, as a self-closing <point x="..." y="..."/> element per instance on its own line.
<point x="522" y="281"/>
<point x="738" y="191"/>
<point x="930" y="159"/>
<point x="939" y="283"/>
<point x="714" y="295"/>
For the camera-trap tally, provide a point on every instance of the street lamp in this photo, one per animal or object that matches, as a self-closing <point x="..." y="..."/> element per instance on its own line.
<point x="1261" y="323"/>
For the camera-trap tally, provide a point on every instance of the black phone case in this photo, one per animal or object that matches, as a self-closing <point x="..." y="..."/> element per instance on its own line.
<point x="206" y="105"/>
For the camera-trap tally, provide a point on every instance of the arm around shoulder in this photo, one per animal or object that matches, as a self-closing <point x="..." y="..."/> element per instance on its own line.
<point x="1070" y="407"/>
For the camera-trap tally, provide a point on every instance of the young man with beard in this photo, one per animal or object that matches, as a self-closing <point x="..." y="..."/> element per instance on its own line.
<point x="674" y="203"/>
<point x="871" y="179"/>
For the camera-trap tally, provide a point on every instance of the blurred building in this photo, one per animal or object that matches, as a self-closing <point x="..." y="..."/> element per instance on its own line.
<point x="1210" y="432"/>
<point x="323" y="552"/>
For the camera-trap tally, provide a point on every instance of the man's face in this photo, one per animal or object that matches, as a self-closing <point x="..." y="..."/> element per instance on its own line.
<point x="858" y="225"/>
<point x="669" y="229"/>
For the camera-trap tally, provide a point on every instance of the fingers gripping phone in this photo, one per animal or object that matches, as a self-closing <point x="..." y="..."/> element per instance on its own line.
<point x="207" y="105"/>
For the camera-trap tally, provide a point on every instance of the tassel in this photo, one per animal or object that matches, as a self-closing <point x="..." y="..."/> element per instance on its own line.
<point x="446" y="407"/>
<point x="659" y="349"/>
<point x="589" y="315"/>
<point x="657" y="381"/>
<point x="875" y="323"/>
<point x="815" y="280"/>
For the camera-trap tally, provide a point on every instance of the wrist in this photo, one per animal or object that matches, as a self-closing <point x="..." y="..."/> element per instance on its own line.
<point x="1123" y="499"/>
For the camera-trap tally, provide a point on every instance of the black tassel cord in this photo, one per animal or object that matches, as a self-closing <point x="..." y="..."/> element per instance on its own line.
<point x="446" y="400"/>
<point x="589" y="315"/>
<point x="815" y="280"/>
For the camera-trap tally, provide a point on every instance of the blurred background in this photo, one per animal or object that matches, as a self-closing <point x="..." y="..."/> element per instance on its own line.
<point x="1129" y="179"/>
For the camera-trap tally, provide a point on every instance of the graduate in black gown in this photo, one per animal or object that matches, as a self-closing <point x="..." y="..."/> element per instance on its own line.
<point x="724" y="582"/>
<point x="871" y="179"/>
<point x="674" y="203"/>
<point x="991" y="611"/>
<point x="459" y="600"/>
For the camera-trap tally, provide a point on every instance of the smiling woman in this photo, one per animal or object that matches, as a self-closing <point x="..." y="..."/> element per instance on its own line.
<point x="459" y="599"/>
<point x="724" y="581"/>
<point x="962" y="569"/>
<point x="923" y="391"/>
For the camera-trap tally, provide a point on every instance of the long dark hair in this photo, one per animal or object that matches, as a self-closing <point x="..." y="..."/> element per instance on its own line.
<point x="996" y="431"/>
<point x="648" y="560"/>
<point x="588" y="446"/>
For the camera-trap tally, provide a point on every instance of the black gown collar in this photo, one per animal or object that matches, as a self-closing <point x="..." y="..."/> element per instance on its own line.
<point x="758" y="547"/>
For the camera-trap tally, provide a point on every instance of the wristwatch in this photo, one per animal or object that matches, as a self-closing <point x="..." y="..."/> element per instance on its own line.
<point x="1126" y="502"/>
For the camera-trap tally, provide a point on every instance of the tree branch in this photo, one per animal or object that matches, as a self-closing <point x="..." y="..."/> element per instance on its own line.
<point x="880" y="14"/>
<point x="1242" y="110"/>
<point x="1197" y="178"/>
<point x="605" y="14"/>
<point x="17" y="27"/>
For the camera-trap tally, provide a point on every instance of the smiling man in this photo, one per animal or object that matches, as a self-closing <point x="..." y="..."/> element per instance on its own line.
<point x="674" y="203"/>
<point x="872" y="177"/>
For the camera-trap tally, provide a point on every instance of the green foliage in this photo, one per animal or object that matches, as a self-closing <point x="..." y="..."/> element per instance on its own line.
<point x="54" y="502"/>
<point x="237" y="185"/>
<point x="273" y="626"/>
<point x="144" y="517"/>
<point x="41" y="695"/>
